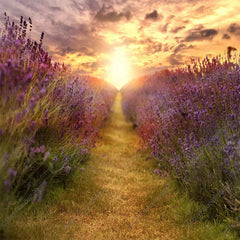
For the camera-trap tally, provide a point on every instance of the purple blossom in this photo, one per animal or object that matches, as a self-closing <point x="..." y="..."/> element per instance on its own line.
<point x="12" y="173"/>
<point x="5" y="159"/>
<point x="67" y="169"/>
<point x="1" y="132"/>
<point x="7" y="185"/>
<point x="40" y="191"/>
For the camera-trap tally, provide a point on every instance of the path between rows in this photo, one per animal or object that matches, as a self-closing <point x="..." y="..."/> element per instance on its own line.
<point x="125" y="187"/>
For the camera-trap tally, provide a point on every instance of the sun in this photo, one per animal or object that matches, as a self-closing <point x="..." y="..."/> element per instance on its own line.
<point x="119" y="69"/>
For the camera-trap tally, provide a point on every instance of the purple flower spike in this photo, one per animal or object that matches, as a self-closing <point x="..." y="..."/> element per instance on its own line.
<point x="1" y="132"/>
<point x="7" y="185"/>
<point x="67" y="169"/>
<point x="12" y="173"/>
<point x="41" y="190"/>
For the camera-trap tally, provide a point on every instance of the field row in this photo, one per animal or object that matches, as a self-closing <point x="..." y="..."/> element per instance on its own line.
<point x="49" y="118"/>
<point x="190" y="119"/>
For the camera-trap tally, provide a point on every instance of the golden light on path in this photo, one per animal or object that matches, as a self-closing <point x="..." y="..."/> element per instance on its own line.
<point x="119" y="70"/>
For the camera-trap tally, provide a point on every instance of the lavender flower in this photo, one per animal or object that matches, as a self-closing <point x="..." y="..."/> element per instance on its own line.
<point x="67" y="169"/>
<point x="12" y="173"/>
<point x="7" y="185"/>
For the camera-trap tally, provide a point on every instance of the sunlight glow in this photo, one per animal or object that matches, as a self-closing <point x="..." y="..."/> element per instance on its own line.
<point x="119" y="70"/>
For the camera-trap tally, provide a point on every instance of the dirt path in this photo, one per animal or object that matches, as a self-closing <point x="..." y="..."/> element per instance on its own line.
<point x="127" y="189"/>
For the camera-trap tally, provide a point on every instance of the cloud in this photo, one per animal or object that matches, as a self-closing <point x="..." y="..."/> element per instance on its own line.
<point x="154" y="48"/>
<point x="75" y="38"/>
<point x="177" y="29"/>
<point x="56" y="9"/>
<point x="153" y="15"/>
<point x="104" y="15"/>
<point x="167" y="48"/>
<point x="234" y="28"/>
<point x="182" y="47"/>
<point x="164" y="28"/>
<point x="151" y="46"/>
<point x="93" y="5"/>
<point x="201" y="9"/>
<point x="90" y="66"/>
<point x="200" y="35"/>
<point x="175" y="59"/>
<point x="62" y="51"/>
<point x="85" y="51"/>
<point x="226" y="36"/>
<point x="169" y="18"/>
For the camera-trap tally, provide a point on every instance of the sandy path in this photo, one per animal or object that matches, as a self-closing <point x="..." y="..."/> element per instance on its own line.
<point x="129" y="208"/>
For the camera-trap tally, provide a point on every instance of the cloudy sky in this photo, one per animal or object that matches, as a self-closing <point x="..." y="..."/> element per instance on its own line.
<point x="153" y="34"/>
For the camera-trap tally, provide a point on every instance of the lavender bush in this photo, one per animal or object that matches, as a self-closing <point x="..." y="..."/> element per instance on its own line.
<point x="49" y="118"/>
<point x="190" y="118"/>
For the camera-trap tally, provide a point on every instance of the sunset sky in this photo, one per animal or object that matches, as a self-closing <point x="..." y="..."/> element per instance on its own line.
<point x="146" y="34"/>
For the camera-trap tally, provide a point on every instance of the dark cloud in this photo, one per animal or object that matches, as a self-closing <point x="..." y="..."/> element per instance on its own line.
<point x="226" y="36"/>
<point x="154" y="48"/>
<point x="93" y="5"/>
<point x="200" y="35"/>
<point x="177" y="29"/>
<point x="153" y="15"/>
<point x="182" y="47"/>
<point x="164" y="28"/>
<point x="68" y="39"/>
<point x="62" y="51"/>
<point x="151" y="46"/>
<point x="234" y="28"/>
<point x="77" y="6"/>
<point x="85" y="51"/>
<point x="35" y="6"/>
<point x="110" y="15"/>
<point x="208" y="33"/>
<point x="175" y="59"/>
<point x="75" y="38"/>
<point x="56" y="9"/>
<point x="91" y="65"/>
<point x="146" y="41"/>
<point x="167" y="48"/>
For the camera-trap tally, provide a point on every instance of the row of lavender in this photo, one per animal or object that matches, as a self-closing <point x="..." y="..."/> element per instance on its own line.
<point x="49" y="118"/>
<point x="190" y="118"/>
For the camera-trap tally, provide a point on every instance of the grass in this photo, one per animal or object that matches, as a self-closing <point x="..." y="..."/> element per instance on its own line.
<point x="117" y="197"/>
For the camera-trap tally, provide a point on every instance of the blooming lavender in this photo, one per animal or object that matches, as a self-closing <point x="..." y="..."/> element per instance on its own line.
<point x="44" y="107"/>
<point x="190" y="119"/>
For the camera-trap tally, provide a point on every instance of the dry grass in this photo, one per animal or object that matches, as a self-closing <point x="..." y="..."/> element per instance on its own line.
<point x="117" y="198"/>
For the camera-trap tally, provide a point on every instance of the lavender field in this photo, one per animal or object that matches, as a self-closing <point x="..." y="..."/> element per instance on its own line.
<point x="80" y="159"/>
<point x="49" y="118"/>
<point x="189" y="117"/>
